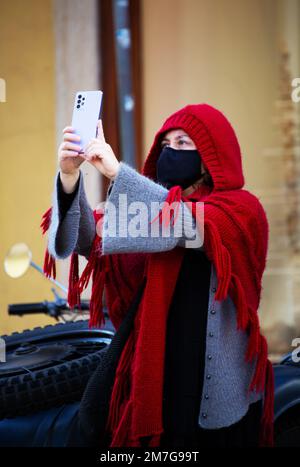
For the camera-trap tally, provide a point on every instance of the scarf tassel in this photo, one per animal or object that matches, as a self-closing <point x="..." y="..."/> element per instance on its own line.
<point x="266" y="436"/>
<point x="222" y="260"/>
<point x="73" y="290"/>
<point x="91" y="264"/>
<point x="97" y="267"/>
<point x="258" y="380"/>
<point x="253" y="336"/>
<point x="263" y="380"/>
<point x="46" y="220"/>
<point x="49" y="266"/>
<point x="121" y="434"/>
<point x="97" y="318"/>
<point x="237" y="294"/>
<point x="121" y="392"/>
<point x="95" y="253"/>
<point x="174" y="195"/>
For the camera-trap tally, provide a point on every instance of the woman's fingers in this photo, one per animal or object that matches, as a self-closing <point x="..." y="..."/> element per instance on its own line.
<point x="69" y="153"/>
<point x="69" y="145"/>
<point x="68" y="128"/>
<point x="71" y="137"/>
<point x="95" y="146"/>
<point x="100" y="132"/>
<point x="96" y="143"/>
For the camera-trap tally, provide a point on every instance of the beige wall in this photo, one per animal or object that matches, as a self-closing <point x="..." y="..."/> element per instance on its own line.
<point x="49" y="51"/>
<point x="222" y="52"/>
<point x="27" y="146"/>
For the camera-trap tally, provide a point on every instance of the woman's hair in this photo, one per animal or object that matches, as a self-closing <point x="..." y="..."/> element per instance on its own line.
<point x="207" y="179"/>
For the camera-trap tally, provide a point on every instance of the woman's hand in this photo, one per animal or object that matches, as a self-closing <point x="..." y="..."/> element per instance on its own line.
<point x="68" y="152"/>
<point x="100" y="155"/>
<point x="69" y="159"/>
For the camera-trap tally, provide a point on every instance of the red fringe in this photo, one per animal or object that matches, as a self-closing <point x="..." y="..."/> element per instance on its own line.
<point x="46" y="219"/>
<point x="266" y="436"/>
<point x="254" y="336"/>
<point x="237" y="294"/>
<point x="174" y="194"/>
<point x="258" y="380"/>
<point x="73" y="290"/>
<point x="120" y="435"/>
<point x="96" y="303"/>
<point x="121" y="388"/>
<point x="222" y="260"/>
<point x="263" y="378"/>
<point x="97" y="267"/>
<point x="49" y="267"/>
<point x="95" y="254"/>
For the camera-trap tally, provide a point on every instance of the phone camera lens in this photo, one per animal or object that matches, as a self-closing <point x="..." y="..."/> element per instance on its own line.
<point x="79" y="97"/>
<point x="83" y="98"/>
<point x="78" y="106"/>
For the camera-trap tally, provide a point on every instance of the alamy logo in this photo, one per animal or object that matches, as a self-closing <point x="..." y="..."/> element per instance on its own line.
<point x="2" y="90"/>
<point x="295" y="353"/>
<point x="2" y="350"/>
<point x="137" y="220"/>
<point x="296" y="92"/>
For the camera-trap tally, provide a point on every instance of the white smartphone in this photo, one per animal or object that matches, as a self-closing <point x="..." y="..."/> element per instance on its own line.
<point x="86" y="113"/>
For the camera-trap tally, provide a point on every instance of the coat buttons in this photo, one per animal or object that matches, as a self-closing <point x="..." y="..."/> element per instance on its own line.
<point x="204" y="415"/>
<point x="206" y="396"/>
<point x="211" y="334"/>
<point x="208" y="376"/>
<point x="213" y="311"/>
<point x="209" y="357"/>
<point x="214" y="289"/>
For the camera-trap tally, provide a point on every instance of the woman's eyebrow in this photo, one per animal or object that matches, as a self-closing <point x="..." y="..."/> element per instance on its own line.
<point x="176" y="137"/>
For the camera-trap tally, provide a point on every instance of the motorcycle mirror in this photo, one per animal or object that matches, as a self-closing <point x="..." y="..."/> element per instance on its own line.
<point x="17" y="261"/>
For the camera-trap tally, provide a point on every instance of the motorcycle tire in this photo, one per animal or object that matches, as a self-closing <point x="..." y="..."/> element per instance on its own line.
<point x="49" y="366"/>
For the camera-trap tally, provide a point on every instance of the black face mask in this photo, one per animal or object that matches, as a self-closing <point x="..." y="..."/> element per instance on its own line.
<point x="178" y="167"/>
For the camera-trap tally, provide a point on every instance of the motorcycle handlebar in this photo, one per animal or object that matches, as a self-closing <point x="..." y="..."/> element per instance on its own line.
<point x="49" y="308"/>
<point x="28" y="308"/>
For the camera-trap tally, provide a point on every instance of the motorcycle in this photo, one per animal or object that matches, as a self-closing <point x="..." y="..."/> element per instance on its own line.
<point x="46" y="369"/>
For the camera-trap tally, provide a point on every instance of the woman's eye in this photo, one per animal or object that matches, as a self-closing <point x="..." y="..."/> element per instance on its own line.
<point x="182" y="142"/>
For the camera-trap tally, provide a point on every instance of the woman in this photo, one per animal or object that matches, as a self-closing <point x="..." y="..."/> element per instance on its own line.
<point x="194" y="370"/>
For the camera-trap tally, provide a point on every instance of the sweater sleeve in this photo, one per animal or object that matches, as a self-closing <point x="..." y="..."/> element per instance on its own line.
<point x="72" y="226"/>
<point x="133" y="201"/>
<point x="65" y="199"/>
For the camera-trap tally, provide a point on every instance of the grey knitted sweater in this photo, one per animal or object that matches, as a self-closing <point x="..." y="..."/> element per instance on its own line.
<point x="225" y="399"/>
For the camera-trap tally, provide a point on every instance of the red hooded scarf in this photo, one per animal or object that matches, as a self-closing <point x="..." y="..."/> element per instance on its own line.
<point x="235" y="240"/>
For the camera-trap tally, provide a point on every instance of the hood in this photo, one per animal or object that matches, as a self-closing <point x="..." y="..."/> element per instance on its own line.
<point x="215" y="141"/>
